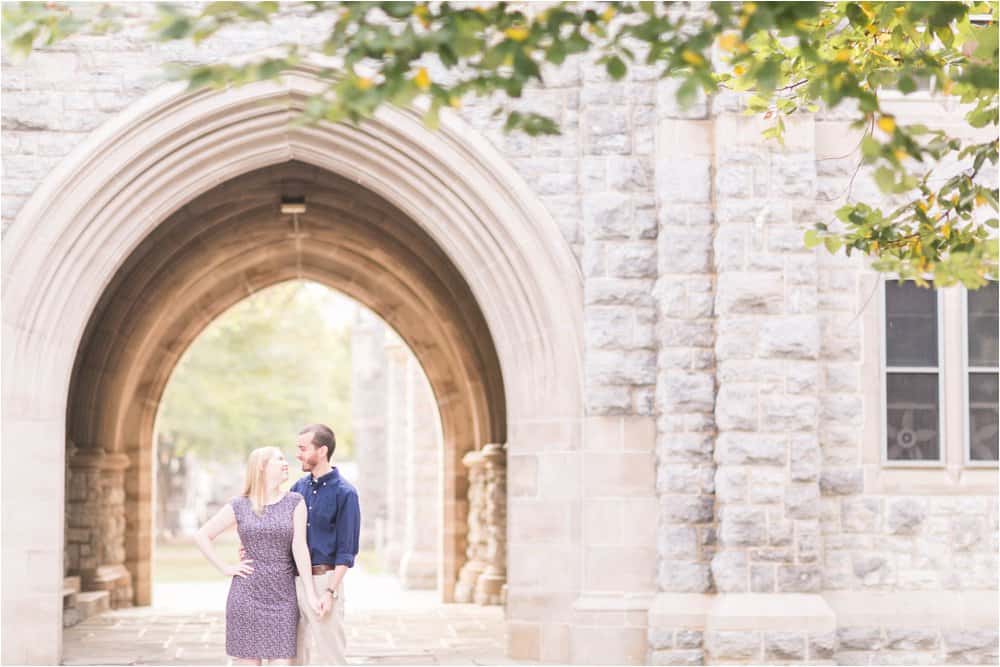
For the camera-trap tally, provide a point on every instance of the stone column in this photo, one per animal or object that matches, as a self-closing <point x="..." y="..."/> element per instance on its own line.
<point x="475" y="551"/>
<point x="766" y="570"/>
<point x="368" y="415"/>
<point x="422" y="543"/>
<point x="491" y="584"/>
<point x="685" y="438"/>
<point x="396" y="430"/>
<point x="95" y="536"/>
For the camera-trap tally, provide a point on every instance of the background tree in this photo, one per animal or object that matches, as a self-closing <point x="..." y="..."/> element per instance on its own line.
<point x="259" y="372"/>
<point x="787" y="57"/>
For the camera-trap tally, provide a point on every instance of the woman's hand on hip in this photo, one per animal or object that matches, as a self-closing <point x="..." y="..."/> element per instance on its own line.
<point x="241" y="569"/>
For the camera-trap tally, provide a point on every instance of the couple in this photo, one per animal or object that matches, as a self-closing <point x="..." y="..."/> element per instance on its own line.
<point x="270" y="614"/>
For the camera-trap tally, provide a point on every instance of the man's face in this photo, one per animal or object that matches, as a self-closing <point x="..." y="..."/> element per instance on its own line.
<point x="307" y="454"/>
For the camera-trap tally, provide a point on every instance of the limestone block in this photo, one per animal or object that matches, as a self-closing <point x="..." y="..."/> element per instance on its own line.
<point x="911" y="639"/>
<point x="859" y="638"/>
<point x="606" y="132"/>
<point x="688" y="392"/>
<point x="822" y="646"/>
<point x="687" y="509"/>
<point x="609" y="327"/>
<point x="621" y="367"/>
<point x="619" y="292"/>
<point x="805" y="457"/>
<point x="634" y="259"/>
<point x="685" y="251"/>
<point x="687" y="333"/>
<point x="730" y="248"/>
<point x="736" y="407"/>
<point x="800" y="578"/>
<point x="784" y="646"/>
<point x="751" y="293"/>
<point x="688" y="638"/>
<point x="767" y="486"/>
<point x="789" y="338"/>
<point x="607" y="215"/>
<point x="688" y="447"/>
<point x="749" y="449"/>
<point x="729" y="571"/>
<point x="734" y="181"/>
<point x="808" y="541"/>
<point x="788" y="413"/>
<point x="629" y="173"/>
<point x="683" y="180"/>
<point x="735" y="339"/>
<point x="734" y="646"/>
<point x="762" y="578"/>
<point x="730" y="485"/>
<point x="677" y="657"/>
<point x="860" y="515"/>
<point x="802" y="501"/>
<point x="742" y="526"/>
<point x="660" y="638"/>
<point x="683" y="576"/>
<point x="971" y="646"/>
<point x="841" y="481"/>
<point x="905" y="516"/>
<point x="677" y="542"/>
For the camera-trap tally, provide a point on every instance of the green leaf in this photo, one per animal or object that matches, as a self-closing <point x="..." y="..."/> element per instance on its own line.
<point x="906" y="84"/>
<point x="833" y="244"/>
<point x="556" y="53"/>
<point x="616" y="68"/>
<point x="885" y="179"/>
<point x="811" y="238"/>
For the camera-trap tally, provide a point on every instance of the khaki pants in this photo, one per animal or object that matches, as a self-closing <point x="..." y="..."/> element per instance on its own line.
<point x="321" y="641"/>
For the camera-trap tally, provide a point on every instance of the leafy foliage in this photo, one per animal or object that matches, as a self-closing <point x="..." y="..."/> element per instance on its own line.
<point x="266" y="367"/>
<point x="786" y="57"/>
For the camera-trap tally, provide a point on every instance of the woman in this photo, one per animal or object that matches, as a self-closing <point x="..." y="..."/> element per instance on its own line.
<point x="262" y="613"/>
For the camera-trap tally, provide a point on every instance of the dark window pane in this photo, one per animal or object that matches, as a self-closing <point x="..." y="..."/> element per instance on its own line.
<point x="984" y="393"/>
<point x="912" y="419"/>
<point x="910" y="325"/>
<point x="983" y="323"/>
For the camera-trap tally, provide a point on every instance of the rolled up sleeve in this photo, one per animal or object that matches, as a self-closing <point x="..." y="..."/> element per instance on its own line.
<point x="348" y="529"/>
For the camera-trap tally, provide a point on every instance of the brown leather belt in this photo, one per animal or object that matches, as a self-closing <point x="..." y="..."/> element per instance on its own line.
<point x="320" y="569"/>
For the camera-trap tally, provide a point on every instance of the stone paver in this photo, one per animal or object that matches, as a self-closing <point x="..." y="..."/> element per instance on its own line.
<point x="385" y="626"/>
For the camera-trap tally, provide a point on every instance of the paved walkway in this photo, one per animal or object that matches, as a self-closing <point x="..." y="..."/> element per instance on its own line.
<point x="385" y="626"/>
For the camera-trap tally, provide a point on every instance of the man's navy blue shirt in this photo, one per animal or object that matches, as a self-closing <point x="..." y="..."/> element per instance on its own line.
<point x="334" y="523"/>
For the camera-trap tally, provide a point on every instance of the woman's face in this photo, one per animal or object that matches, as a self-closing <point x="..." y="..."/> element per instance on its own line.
<point x="276" y="469"/>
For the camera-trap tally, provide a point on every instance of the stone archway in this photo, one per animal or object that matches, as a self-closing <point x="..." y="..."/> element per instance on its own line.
<point x="218" y="248"/>
<point x="76" y="233"/>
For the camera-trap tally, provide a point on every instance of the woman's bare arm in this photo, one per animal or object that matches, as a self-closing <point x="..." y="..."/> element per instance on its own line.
<point x="224" y="519"/>
<point x="300" y="552"/>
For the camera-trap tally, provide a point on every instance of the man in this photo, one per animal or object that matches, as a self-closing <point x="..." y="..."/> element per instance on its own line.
<point x="332" y="530"/>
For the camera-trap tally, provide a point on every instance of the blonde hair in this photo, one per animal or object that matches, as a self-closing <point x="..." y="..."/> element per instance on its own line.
<point x="254" y="488"/>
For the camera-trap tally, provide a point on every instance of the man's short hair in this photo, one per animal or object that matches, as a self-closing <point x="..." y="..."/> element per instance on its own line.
<point x="322" y="436"/>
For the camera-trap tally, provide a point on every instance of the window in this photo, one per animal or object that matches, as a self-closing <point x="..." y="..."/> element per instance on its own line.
<point x="940" y="372"/>
<point x="982" y="381"/>
<point x="912" y="374"/>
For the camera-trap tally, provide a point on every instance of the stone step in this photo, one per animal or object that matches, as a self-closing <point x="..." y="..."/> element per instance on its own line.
<point x="93" y="602"/>
<point x="71" y="616"/>
<point x="69" y="598"/>
<point x="71" y="583"/>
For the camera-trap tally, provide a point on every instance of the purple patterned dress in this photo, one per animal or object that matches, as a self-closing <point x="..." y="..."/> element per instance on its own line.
<point x="262" y="613"/>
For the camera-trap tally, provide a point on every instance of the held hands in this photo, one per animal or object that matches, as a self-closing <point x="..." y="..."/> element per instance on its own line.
<point x="241" y="569"/>
<point x="320" y="605"/>
<point x="325" y="603"/>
